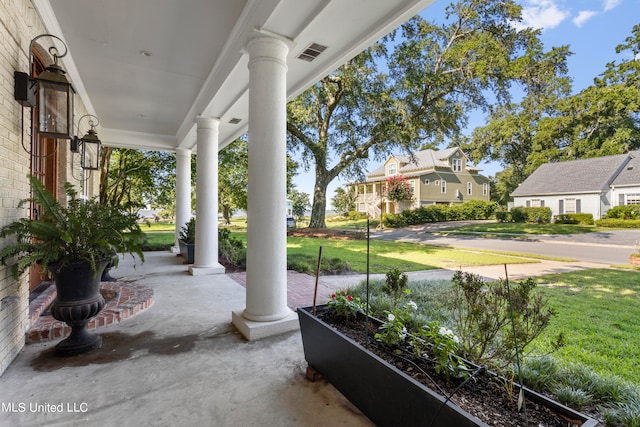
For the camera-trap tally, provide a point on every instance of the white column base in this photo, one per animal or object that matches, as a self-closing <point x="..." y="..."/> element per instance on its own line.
<point x="253" y="330"/>
<point x="195" y="270"/>
<point x="175" y="249"/>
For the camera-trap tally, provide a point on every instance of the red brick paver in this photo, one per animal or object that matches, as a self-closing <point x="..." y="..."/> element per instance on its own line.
<point x="130" y="300"/>
<point x="300" y="288"/>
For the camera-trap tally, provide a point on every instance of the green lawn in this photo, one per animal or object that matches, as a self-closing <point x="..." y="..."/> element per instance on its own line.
<point x="385" y="256"/>
<point x="495" y="228"/>
<point x="151" y="227"/>
<point x="158" y="241"/>
<point x="599" y="312"/>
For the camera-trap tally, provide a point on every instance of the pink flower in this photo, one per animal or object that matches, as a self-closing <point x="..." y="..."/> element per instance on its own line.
<point x="349" y="297"/>
<point x="333" y="296"/>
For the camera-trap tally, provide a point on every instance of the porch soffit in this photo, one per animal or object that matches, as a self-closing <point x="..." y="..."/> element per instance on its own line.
<point x="197" y="64"/>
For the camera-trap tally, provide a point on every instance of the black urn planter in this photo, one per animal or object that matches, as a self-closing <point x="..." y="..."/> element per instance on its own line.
<point x="187" y="251"/>
<point x="78" y="300"/>
<point x="385" y="394"/>
<point x="106" y="274"/>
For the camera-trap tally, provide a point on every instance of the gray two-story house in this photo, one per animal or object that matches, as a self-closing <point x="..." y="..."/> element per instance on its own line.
<point x="436" y="177"/>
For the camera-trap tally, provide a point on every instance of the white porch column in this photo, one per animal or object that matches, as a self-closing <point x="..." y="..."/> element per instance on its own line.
<point x="206" y="248"/>
<point x="183" y="192"/>
<point x="266" y="311"/>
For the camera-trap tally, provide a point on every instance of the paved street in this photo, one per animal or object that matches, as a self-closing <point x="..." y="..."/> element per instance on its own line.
<point x="609" y="247"/>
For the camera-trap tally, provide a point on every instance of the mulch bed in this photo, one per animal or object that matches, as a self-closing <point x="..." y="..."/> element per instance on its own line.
<point x="327" y="233"/>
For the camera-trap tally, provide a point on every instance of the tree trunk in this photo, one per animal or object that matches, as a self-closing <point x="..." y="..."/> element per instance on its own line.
<point x="226" y="213"/>
<point x="319" y="205"/>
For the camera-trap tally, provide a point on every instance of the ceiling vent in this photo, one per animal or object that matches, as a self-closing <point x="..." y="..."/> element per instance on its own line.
<point x="235" y="121"/>
<point x="311" y="52"/>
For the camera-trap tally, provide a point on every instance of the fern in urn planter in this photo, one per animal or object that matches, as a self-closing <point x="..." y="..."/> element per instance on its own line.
<point x="74" y="243"/>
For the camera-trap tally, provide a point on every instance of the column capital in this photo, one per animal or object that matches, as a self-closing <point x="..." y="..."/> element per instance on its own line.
<point x="265" y="46"/>
<point x="207" y="122"/>
<point x="183" y="151"/>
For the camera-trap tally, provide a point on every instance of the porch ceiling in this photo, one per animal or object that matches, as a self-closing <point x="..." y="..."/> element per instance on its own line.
<point x="197" y="65"/>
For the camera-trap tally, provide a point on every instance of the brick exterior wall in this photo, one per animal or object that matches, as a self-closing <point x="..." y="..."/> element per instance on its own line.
<point x="19" y="24"/>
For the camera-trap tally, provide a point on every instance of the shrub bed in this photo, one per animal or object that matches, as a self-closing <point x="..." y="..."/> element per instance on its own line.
<point x="577" y="218"/>
<point x="618" y="223"/>
<point x="471" y="210"/>
<point x="540" y="215"/>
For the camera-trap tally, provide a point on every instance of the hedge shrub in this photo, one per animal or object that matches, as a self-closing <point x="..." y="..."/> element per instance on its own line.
<point x="624" y="212"/>
<point x="577" y="218"/>
<point x="471" y="210"/>
<point x="618" y="223"/>
<point x="530" y="214"/>
<point x="504" y="216"/>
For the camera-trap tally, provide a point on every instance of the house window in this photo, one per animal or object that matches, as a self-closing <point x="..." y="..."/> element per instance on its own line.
<point x="485" y="189"/>
<point x="633" y="199"/>
<point x="443" y="186"/>
<point x="412" y="184"/>
<point x="426" y="181"/>
<point x="469" y="188"/>
<point x="456" y="165"/>
<point x="535" y="203"/>
<point x="569" y="206"/>
<point x="391" y="169"/>
<point x="436" y="182"/>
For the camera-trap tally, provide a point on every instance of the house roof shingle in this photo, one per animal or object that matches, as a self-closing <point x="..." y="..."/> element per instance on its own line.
<point x="422" y="161"/>
<point x="630" y="174"/>
<point x="575" y="176"/>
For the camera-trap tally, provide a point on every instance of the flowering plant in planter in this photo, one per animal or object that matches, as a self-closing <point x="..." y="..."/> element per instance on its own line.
<point x="344" y="305"/>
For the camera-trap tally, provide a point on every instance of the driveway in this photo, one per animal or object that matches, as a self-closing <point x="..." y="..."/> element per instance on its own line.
<point x="606" y="247"/>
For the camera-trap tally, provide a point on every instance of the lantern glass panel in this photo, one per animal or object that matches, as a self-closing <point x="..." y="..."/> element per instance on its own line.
<point x="55" y="104"/>
<point x="91" y="155"/>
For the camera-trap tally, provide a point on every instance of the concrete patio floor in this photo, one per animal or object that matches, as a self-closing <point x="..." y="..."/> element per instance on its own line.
<point x="181" y="362"/>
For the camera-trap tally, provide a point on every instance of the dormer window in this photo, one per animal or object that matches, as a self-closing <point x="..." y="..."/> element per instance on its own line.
<point x="392" y="169"/>
<point x="456" y="165"/>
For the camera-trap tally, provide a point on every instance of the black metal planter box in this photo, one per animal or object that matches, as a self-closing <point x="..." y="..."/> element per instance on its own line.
<point x="386" y="395"/>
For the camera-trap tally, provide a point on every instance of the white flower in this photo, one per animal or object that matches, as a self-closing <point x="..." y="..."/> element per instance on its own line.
<point x="391" y="317"/>
<point x="456" y="339"/>
<point x="412" y="305"/>
<point x="403" y="333"/>
<point x="445" y="331"/>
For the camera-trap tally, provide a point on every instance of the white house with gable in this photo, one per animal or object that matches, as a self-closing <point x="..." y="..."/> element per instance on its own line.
<point x="583" y="186"/>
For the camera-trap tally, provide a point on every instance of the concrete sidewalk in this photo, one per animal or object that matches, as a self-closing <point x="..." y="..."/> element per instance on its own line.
<point x="489" y="272"/>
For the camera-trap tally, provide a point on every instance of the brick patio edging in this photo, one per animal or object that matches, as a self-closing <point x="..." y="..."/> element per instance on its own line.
<point x="129" y="301"/>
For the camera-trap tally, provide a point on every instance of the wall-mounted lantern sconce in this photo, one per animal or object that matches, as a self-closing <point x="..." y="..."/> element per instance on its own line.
<point x="50" y="92"/>
<point x="89" y="145"/>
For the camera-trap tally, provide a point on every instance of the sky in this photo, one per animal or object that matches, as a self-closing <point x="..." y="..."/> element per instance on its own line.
<point x="591" y="28"/>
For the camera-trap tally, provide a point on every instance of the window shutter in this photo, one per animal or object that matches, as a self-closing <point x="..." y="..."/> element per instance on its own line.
<point x="561" y="207"/>
<point x="620" y="199"/>
<point x="578" y="205"/>
<point x="528" y="203"/>
<point x="542" y="203"/>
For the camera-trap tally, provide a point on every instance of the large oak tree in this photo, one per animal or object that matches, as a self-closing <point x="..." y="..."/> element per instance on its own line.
<point x="413" y="88"/>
